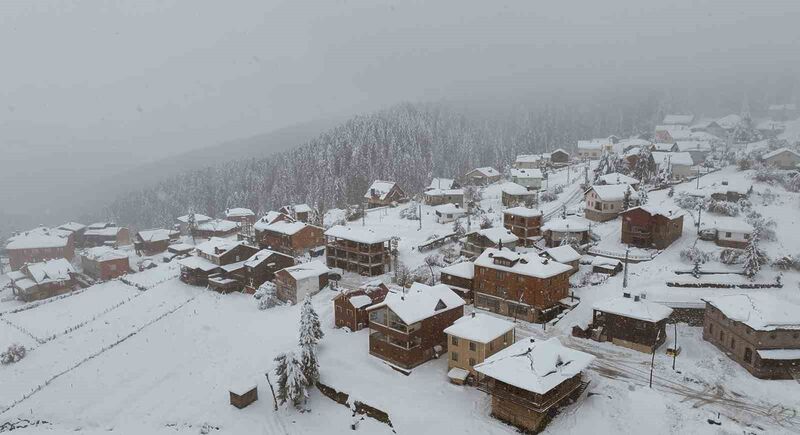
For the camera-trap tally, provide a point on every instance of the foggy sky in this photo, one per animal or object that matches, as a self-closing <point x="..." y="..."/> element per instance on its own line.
<point x="90" y="87"/>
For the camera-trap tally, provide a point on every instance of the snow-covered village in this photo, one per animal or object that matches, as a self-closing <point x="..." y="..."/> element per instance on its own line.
<point x="400" y="218"/>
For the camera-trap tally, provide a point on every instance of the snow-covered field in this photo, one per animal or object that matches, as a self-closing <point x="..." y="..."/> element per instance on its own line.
<point x="116" y="359"/>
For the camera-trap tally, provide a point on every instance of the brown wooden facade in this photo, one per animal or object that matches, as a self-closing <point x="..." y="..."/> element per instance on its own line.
<point x="257" y="274"/>
<point x="519" y="296"/>
<point x="524" y="227"/>
<point x="19" y="257"/>
<point x="105" y="270"/>
<point x="367" y="259"/>
<point x="462" y="286"/>
<point x="309" y="237"/>
<point x="346" y="315"/>
<point x="629" y="332"/>
<point x="643" y="229"/>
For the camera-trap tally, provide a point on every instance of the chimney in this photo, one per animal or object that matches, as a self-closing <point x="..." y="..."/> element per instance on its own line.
<point x="626" y="295"/>
<point x="473" y="314"/>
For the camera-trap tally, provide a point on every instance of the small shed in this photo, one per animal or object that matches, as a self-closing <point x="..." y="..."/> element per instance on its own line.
<point x="243" y="394"/>
<point x="609" y="266"/>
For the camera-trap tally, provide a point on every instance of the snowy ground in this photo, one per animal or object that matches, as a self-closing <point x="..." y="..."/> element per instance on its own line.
<point x="117" y="359"/>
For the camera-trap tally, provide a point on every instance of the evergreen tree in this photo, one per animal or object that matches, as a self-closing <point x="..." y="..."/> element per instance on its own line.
<point x="626" y="199"/>
<point x="281" y="363"/>
<point x="308" y="361"/>
<point x="754" y="257"/>
<point x="645" y="166"/>
<point x="642" y="196"/>
<point x="310" y="328"/>
<point x="267" y="296"/>
<point x="671" y="192"/>
<point x="458" y="228"/>
<point x="696" y="268"/>
<point x="292" y="383"/>
<point x="564" y="211"/>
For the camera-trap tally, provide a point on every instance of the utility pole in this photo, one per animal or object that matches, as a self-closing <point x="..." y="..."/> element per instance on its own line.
<point x="675" y="346"/>
<point x="625" y="275"/>
<point x="698" y="176"/>
<point x="568" y="174"/>
<point x="653" y="359"/>
<point x="699" y="213"/>
<point x="419" y="213"/>
<point x="363" y="215"/>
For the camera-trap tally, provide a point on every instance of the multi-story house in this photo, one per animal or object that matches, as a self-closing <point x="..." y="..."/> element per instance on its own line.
<point x="358" y="250"/>
<point x="472" y="339"/>
<point x="651" y="226"/>
<point x="524" y="222"/>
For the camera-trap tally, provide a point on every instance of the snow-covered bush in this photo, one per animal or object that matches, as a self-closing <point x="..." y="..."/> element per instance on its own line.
<point x="549" y="196"/>
<point x="557" y="189"/>
<point x="14" y="353"/>
<point x="787" y="262"/>
<point x="458" y="228"/>
<point x="693" y="254"/>
<point x="731" y="256"/>
<point x="764" y="226"/>
<point x="792" y="183"/>
<point x="768" y="197"/>
<point x="267" y="296"/>
<point x="354" y="213"/>
<point x="410" y="212"/>
<point x="450" y="253"/>
<point x="485" y="222"/>
<point x="769" y="175"/>
<point x="473" y="194"/>
<point x="724" y="208"/>
<point x="688" y="202"/>
<point x="402" y="276"/>
<point x="744" y="163"/>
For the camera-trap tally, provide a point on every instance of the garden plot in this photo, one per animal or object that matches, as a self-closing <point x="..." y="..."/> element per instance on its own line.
<point x="152" y="277"/>
<point x="11" y="335"/>
<point x="51" y="319"/>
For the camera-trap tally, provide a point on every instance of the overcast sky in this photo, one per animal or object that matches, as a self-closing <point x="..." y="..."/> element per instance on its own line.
<point x="91" y="86"/>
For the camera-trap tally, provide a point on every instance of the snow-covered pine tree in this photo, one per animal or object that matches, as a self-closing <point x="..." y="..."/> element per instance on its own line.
<point x="642" y="196"/>
<point x="292" y="383"/>
<point x="267" y="296"/>
<point x="696" y="267"/>
<point x="645" y="166"/>
<point x="308" y="360"/>
<point x="626" y="199"/>
<point x="753" y="257"/>
<point x="671" y="192"/>
<point x="564" y="211"/>
<point x="281" y="363"/>
<point x="458" y="228"/>
<point x="309" y="322"/>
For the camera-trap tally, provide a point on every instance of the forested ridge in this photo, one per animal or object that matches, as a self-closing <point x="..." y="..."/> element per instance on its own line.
<point x="407" y="143"/>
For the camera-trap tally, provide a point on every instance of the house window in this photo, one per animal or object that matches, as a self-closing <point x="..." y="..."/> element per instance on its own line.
<point x="748" y="355"/>
<point x="454" y="356"/>
<point x="710" y="328"/>
<point x="454" y="341"/>
<point x="472" y="346"/>
<point x="733" y="343"/>
<point x="471" y="362"/>
<point x="721" y="335"/>
<point x="728" y="235"/>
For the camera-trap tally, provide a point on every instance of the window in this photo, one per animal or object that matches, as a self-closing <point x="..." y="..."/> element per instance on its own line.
<point x="472" y="346"/>
<point x="721" y="335"/>
<point x="454" y="340"/>
<point x="728" y="235"/>
<point x="733" y="343"/>
<point x="710" y="328"/>
<point x="773" y="336"/>
<point x="471" y="362"/>
<point x="454" y="356"/>
<point x="748" y="355"/>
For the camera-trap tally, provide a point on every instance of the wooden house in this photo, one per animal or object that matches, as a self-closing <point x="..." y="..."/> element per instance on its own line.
<point x="106" y="234"/>
<point x="670" y="134"/>
<point x="407" y="328"/>
<point x="358" y="250"/>
<point x="215" y="228"/>
<point x="531" y="379"/>
<point x="38" y="245"/>
<point x="240" y="215"/>
<point x="482" y="176"/>
<point x="439" y="196"/>
<point x="291" y="238"/>
<point x="350" y="306"/>
<point x="185" y="222"/>
<point x="43" y="280"/>
<point x="698" y="150"/>
<point x="760" y="331"/>
<point x="513" y="194"/>
<point x="473" y="338"/>
<point x="731" y="192"/>
<point x="565" y="255"/>
<point x="631" y="321"/>
<point x="608" y="266"/>
<point x="298" y="212"/>
<point x="296" y="282"/>
<point x="531" y="161"/>
<point x="676" y="119"/>
<point x="606" y="202"/>
<point x="559" y="158"/>
<point x="679" y="164"/>
<point x="459" y="277"/>
<point x="104" y="263"/>
<point x="152" y="242"/>
<point x="242" y="395"/>
<point x="262" y="267"/>
<point x="651" y="226"/>
<point x="782" y="158"/>
<point x="77" y="231"/>
<point x="728" y="232"/>
<point x="478" y="241"/>
<point x="594" y="148"/>
<point x="523" y="286"/>
<point x="210" y="256"/>
<point x="575" y="230"/>
<point x="449" y="212"/>
<point x="523" y="222"/>
<point x="383" y="193"/>
<point x="531" y="179"/>
<point x="615" y="178"/>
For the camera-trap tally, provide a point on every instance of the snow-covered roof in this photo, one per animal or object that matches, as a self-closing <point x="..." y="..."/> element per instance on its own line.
<point x="312" y="269"/>
<point x="99" y="225"/>
<point x="449" y="209"/>
<point x="592" y="145"/>
<point x="420" y="302"/>
<point x="15" y="275"/>
<point x="779" y="354"/>
<point x="443" y="192"/>
<point x="285" y="227"/>
<point x="198" y="263"/>
<point x="50" y="271"/>
<point x="357" y="234"/>
<point x="630" y="307"/>
<point x="693" y="145"/>
<point x="528" y="158"/>
<point x="259" y="257"/>
<point x="679" y="158"/>
<point x="563" y="254"/>
<point x="663" y="147"/>
<point x="729" y="122"/>
<point x="727" y="224"/>
<point x="703" y="136"/>
<point x="103" y="232"/>
<point x="617" y="178"/>
<point x="72" y="226"/>
<point x="496" y="234"/>
<point x="360" y="301"/>
<point x="568" y="225"/>
<point x="479" y="327"/>
<point x="771" y="125"/>
<point x="379" y="189"/>
<point x="788" y="106"/>
<point x="611" y="192"/>
<point x="758" y="310"/>
<point x="465" y="269"/>
<point x="659" y="210"/>
<point x="487" y="171"/>
<point x="198" y="218"/>
<point x="180" y="247"/>
<point x="527" y="173"/>
<point x="605" y="262"/>
<point x="678" y="119"/>
<point x="239" y="212"/>
<point x="559" y="150"/>
<point x="38" y="238"/>
<point x="269" y="218"/>
<point x="441" y="184"/>
<point x="103" y="253"/>
<point x="523" y="264"/>
<point x="217" y="226"/>
<point x="535" y="366"/>
<point x="217" y="246"/>
<point x="515" y="189"/>
<point x="523" y="211"/>
<point x="302" y="208"/>
<point x="778" y="151"/>
<point x="157" y="235"/>
<point x="676" y="132"/>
